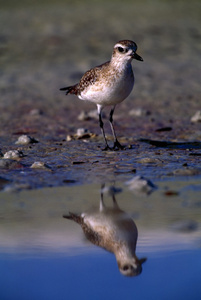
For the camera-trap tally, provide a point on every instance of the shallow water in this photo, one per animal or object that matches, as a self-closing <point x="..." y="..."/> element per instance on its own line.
<point x="43" y="255"/>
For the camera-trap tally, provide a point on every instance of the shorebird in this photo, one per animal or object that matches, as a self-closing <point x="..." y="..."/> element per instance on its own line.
<point x="108" y="84"/>
<point x="114" y="230"/>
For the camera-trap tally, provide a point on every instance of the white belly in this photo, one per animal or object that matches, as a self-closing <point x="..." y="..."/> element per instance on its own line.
<point x="109" y="92"/>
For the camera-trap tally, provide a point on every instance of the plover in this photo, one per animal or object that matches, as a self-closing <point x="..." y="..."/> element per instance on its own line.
<point x="108" y="84"/>
<point x="114" y="230"/>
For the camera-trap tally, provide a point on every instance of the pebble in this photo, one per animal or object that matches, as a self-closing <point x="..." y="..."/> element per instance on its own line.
<point x="39" y="165"/>
<point x="13" y="154"/>
<point x="36" y="112"/>
<point x="141" y="185"/>
<point x="83" y="133"/>
<point x="83" y="116"/>
<point x="149" y="160"/>
<point x="69" y="138"/>
<point x="136" y="112"/>
<point x="25" y="140"/>
<point x="197" y="117"/>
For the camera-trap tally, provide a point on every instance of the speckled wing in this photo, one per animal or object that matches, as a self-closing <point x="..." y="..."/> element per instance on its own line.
<point x="90" y="234"/>
<point x="90" y="77"/>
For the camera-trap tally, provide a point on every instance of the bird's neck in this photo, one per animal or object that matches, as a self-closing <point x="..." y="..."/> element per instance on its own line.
<point x="120" y="64"/>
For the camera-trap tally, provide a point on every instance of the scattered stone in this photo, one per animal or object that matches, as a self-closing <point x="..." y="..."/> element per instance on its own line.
<point x="83" y="133"/>
<point x="185" y="226"/>
<point x="83" y="116"/>
<point x="25" y="140"/>
<point x="69" y="138"/>
<point x="36" y="112"/>
<point x="136" y="112"/>
<point x="197" y="117"/>
<point x="149" y="160"/>
<point x="13" y="154"/>
<point x="39" y="165"/>
<point x="141" y="185"/>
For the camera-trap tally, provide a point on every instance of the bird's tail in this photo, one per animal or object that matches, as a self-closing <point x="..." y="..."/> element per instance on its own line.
<point x="70" y="89"/>
<point x="78" y="219"/>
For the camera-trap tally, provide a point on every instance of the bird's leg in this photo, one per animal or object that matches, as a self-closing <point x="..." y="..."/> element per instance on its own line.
<point x="117" y="145"/>
<point x="102" y="205"/>
<point x="102" y="128"/>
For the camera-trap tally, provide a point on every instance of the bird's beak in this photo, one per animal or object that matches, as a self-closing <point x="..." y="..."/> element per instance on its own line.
<point x="136" y="56"/>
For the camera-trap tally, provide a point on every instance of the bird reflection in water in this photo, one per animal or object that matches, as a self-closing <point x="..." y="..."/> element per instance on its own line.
<point x="114" y="230"/>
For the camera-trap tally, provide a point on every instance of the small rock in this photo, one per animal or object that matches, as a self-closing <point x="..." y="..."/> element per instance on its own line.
<point x="25" y="140"/>
<point x="39" y="165"/>
<point x="35" y="112"/>
<point x="69" y="138"/>
<point x="141" y="185"/>
<point x="136" y="112"/>
<point x="197" y="117"/>
<point x="83" y="116"/>
<point x="13" y="154"/>
<point x="150" y="160"/>
<point x="83" y="133"/>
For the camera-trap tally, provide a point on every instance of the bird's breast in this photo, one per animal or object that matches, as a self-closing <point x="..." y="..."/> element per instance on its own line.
<point x="110" y="88"/>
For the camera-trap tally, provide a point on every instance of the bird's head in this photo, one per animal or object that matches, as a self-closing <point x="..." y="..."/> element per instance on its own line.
<point x="126" y="50"/>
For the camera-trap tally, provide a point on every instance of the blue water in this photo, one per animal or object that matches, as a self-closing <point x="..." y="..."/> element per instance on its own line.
<point x="95" y="275"/>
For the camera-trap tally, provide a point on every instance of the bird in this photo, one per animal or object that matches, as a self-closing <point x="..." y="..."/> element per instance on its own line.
<point x="108" y="84"/>
<point x="115" y="231"/>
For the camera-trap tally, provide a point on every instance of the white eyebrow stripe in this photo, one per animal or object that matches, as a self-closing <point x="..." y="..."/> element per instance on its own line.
<point x="120" y="45"/>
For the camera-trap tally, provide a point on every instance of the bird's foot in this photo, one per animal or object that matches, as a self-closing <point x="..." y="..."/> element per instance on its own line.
<point x="118" y="146"/>
<point x="107" y="147"/>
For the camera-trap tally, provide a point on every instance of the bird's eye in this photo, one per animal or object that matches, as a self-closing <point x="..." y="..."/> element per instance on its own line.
<point x="125" y="268"/>
<point x="120" y="49"/>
